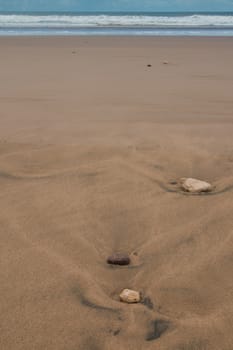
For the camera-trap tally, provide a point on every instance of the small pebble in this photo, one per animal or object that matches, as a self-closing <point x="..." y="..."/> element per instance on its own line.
<point x="149" y="65"/>
<point x="118" y="259"/>
<point x="130" y="296"/>
<point x="165" y="62"/>
<point x="173" y="182"/>
<point x="194" y="185"/>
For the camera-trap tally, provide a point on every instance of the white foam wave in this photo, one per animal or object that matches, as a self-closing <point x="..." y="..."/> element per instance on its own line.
<point x="76" y="21"/>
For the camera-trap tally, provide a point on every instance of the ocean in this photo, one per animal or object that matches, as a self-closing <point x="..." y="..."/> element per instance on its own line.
<point x="144" y="24"/>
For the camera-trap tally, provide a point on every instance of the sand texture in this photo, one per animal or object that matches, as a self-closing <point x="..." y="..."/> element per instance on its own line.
<point x="92" y="142"/>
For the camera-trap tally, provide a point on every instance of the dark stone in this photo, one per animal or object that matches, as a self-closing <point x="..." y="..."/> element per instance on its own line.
<point x="118" y="259"/>
<point x="149" y="65"/>
<point x="116" y="332"/>
<point x="173" y="182"/>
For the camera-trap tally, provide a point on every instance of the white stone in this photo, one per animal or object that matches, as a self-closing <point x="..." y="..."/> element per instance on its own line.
<point x="130" y="296"/>
<point x="194" y="185"/>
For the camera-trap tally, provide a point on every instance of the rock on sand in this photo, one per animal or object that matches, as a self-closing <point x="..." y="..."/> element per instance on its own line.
<point x="130" y="296"/>
<point x="118" y="259"/>
<point x="194" y="185"/>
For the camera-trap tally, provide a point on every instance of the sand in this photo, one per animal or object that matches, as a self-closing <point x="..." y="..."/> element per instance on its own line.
<point x="90" y="139"/>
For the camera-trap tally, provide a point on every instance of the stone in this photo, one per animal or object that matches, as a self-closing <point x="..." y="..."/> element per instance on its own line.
<point x="173" y="182"/>
<point x="165" y="62"/>
<point x="194" y="185"/>
<point x="118" y="259"/>
<point x="130" y="296"/>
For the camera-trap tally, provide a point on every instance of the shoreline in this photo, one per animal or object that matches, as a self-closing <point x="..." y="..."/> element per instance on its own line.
<point x="136" y="35"/>
<point x="118" y="37"/>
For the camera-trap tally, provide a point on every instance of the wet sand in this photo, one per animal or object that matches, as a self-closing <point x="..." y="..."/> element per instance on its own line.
<point x="91" y="143"/>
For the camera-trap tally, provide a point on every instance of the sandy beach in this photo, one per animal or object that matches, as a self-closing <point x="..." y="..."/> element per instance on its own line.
<point x="94" y="134"/>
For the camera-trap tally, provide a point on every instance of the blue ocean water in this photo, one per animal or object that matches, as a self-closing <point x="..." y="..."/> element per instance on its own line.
<point x="121" y="23"/>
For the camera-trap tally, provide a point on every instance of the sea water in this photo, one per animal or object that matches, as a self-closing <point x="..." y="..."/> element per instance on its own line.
<point x="93" y="23"/>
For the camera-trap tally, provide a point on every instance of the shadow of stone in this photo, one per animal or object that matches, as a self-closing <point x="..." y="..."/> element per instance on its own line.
<point x="148" y="303"/>
<point x="158" y="328"/>
<point x="86" y="302"/>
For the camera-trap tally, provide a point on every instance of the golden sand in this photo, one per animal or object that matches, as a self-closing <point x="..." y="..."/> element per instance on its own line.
<point x="92" y="142"/>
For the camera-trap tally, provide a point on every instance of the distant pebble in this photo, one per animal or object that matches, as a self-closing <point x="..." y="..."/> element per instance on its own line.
<point x="130" y="296"/>
<point x="194" y="185"/>
<point x="165" y="62"/>
<point x="118" y="259"/>
<point x="173" y="182"/>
